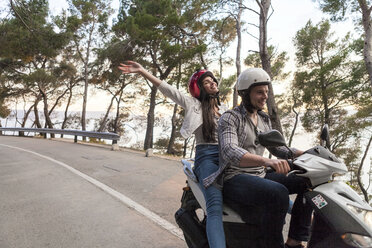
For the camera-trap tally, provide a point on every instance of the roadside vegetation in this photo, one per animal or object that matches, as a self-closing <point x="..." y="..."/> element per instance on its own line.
<point x="49" y="62"/>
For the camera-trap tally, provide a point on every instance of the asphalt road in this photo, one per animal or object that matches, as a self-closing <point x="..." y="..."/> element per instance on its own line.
<point x="112" y="199"/>
<point x="60" y="194"/>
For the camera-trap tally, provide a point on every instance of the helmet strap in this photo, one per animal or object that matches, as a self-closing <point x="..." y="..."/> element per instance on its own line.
<point x="246" y="100"/>
<point x="216" y="96"/>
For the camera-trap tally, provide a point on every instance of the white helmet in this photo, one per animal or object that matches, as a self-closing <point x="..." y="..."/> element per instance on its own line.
<point x="250" y="77"/>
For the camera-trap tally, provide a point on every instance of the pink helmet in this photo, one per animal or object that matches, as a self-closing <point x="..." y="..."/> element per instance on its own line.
<point x="196" y="79"/>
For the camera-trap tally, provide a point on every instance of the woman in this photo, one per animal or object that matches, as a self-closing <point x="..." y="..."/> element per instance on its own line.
<point x="202" y="113"/>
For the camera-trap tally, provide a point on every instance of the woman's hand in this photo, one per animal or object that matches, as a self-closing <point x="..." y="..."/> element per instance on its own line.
<point x="134" y="67"/>
<point x="130" y="67"/>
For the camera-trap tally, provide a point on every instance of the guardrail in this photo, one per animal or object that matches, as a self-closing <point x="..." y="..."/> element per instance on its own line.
<point x="99" y="135"/>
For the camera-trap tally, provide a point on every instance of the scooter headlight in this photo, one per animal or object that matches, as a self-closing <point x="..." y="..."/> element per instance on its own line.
<point x="356" y="240"/>
<point x="363" y="214"/>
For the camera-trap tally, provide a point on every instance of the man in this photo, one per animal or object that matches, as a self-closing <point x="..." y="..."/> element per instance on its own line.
<point x="245" y="179"/>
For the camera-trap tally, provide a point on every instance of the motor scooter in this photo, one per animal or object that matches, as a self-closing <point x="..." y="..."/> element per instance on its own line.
<point x="341" y="218"/>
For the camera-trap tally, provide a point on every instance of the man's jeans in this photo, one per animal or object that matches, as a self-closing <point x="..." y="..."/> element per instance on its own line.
<point x="301" y="211"/>
<point x="270" y="194"/>
<point x="206" y="162"/>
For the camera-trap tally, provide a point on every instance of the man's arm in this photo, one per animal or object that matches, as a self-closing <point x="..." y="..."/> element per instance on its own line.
<point x="250" y="160"/>
<point x="228" y="138"/>
<point x="284" y="153"/>
<point x="232" y="152"/>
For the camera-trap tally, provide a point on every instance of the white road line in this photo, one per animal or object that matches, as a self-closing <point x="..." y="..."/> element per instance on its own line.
<point x="127" y="201"/>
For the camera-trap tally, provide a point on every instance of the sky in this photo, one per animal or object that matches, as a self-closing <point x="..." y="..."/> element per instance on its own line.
<point x="288" y="17"/>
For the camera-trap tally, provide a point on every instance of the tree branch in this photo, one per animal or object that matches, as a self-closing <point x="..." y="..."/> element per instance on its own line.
<point x="19" y="17"/>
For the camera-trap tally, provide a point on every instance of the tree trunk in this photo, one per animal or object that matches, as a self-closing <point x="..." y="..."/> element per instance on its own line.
<point x="25" y="117"/>
<point x="104" y="120"/>
<point x="294" y="127"/>
<point x="192" y="147"/>
<point x="327" y="111"/>
<point x="48" y="121"/>
<point x="86" y="81"/>
<point x="365" y="193"/>
<point x="56" y="103"/>
<point x="185" y="142"/>
<point x="83" y="113"/>
<point x="66" y="109"/>
<point x="151" y="114"/>
<point x="238" y="50"/>
<point x="170" y="149"/>
<point x="36" y="111"/>
<point x="220" y="61"/>
<point x="266" y="64"/>
<point x="119" y="92"/>
<point x="150" y="120"/>
<point x="172" y="138"/>
<point x="367" y="49"/>
<point x="118" y="101"/>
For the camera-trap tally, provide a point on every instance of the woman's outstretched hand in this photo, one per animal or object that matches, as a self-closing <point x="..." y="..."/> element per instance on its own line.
<point x="130" y="67"/>
<point x="133" y="67"/>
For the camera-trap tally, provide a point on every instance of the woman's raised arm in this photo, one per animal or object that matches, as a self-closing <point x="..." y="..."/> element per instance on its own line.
<point x="134" y="67"/>
<point x="169" y="91"/>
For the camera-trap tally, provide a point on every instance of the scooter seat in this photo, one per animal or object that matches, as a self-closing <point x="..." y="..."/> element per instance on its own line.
<point x="229" y="215"/>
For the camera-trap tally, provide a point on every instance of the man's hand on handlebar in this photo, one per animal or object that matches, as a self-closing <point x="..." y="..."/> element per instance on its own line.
<point x="279" y="165"/>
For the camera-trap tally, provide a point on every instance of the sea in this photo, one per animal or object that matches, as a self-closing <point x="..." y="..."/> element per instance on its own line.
<point x="15" y="119"/>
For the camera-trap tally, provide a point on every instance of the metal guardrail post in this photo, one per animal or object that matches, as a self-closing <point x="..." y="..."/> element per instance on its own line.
<point x="75" y="139"/>
<point x="115" y="146"/>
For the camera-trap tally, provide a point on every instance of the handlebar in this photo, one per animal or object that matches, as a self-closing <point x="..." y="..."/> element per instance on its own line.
<point x="292" y="166"/>
<point x="269" y="169"/>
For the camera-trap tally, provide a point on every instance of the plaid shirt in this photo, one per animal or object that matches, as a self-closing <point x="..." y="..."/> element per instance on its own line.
<point x="238" y="135"/>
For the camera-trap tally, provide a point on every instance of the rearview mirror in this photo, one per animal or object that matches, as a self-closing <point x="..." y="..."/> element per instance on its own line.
<point x="271" y="138"/>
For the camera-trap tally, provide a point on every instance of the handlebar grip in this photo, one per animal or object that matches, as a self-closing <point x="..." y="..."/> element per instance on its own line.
<point x="269" y="169"/>
<point x="291" y="164"/>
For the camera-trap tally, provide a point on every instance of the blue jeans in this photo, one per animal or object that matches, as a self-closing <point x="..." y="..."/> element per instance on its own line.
<point x="206" y="162"/>
<point x="301" y="212"/>
<point x="254" y="193"/>
<point x="271" y="196"/>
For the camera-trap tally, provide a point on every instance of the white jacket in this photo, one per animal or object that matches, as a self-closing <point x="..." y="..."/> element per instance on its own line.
<point x="193" y="112"/>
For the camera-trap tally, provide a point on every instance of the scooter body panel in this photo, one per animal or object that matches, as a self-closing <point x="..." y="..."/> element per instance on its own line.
<point x="332" y="200"/>
<point x="317" y="169"/>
